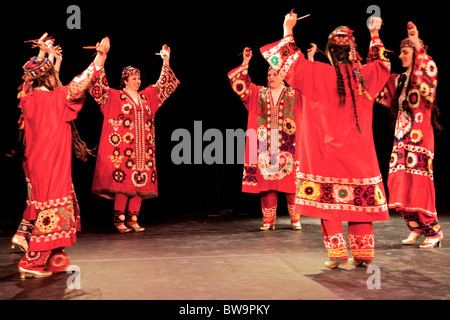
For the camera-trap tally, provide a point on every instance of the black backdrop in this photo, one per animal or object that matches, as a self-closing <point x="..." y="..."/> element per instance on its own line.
<point x="205" y="39"/>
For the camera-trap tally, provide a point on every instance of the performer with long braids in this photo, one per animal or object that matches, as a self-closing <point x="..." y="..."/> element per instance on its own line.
<point x="23" y="233"/>
<point x="79" y="147"/>
<point x="48" y="109"/>
<point x="126" y="170"/>
<point x="412" y="99"/>
<point x="338" y="178"/>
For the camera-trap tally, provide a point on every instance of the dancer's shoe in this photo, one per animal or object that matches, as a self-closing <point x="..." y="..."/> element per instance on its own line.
<point x="430" y="242"/>
<point x="360" y="263"/>
<point x="335" y="264"/>
<point x="296" y="226"/>
<point x="267" y="226"/>
<point x="21" y="242"/>
<point x="135" y="227"/>
<point x="413" y="236"/>
<point x="33" y="273"/>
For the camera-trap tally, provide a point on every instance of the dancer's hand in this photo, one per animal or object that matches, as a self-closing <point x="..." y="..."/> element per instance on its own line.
<point x="165" y="54"/>
<point x="104" y="46"/>
<point x="374" y="25"/>
<point x="413" y="35"/>
<point x="102" y="52"/>
<point x="290" y="20"/>
<point x="248" y="54"/>
<point x="312" y="51"/>
<point x="43" y="45"/>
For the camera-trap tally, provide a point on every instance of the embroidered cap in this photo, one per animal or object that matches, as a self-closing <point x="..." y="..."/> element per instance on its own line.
<point x="129" y="71"/>
<point x="408" y="43"/>
<point x="35" y="68"/>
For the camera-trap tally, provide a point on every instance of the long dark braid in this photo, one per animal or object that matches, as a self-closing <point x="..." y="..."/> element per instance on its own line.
<point x="353" y="97"/>
<point x="336" y="56"/>
<point x="339" y="55"/>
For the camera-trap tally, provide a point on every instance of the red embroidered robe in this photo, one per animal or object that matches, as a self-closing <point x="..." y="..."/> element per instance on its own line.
<point x="126" y="153"/>
<point x="339" y="176"/>
<point x="410" y="181"/>
<point x="271" y="130"/>
<point x="51" y="201"/>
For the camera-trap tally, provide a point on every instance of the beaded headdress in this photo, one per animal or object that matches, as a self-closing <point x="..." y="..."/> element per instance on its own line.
<point x="343" y="36"/>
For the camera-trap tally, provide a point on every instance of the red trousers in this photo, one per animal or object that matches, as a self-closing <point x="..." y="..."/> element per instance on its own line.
<point x="269" y="203"/>
<point x="123" y="204"/>
<point x="419" y="222"/>
<point x="360" y="234"/>
<point x="52" y="260"/>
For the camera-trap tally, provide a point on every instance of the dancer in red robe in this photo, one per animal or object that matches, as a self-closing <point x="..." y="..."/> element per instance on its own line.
<point x="339" y="177"/>
<point x="411" y="97"/>
<point x="23" y="233"/>
<point x="270" y="147"/>
<point x="126" y="167"/>
<point x="48" y="110"/>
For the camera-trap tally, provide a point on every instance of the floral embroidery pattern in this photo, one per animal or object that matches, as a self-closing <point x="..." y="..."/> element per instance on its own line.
<point x="342" y="194"/>
<point x="47" y="221"/>
<point x="250" y="175"/>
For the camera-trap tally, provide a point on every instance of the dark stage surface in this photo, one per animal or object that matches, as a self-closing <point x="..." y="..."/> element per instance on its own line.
<point x="228" y="258"/>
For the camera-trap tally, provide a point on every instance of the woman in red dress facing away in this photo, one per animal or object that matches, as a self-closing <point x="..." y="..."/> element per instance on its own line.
<point x="48" y="109"/>
<point x="411" y="97"/>
<point x="338" y="177"/>
<point x="126" y="168"/>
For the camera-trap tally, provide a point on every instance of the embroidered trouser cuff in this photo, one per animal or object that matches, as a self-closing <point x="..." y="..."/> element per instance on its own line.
<point x="362" y="243"/>
<point x="269" y="204"/>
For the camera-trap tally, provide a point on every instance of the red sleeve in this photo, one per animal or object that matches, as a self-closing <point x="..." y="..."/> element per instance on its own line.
<point x="247" y="91"/>
<point x="158" y="93"/>
<point x="384" y="97"/>
<point x="425" y="75"/>
<point x="312" y="79"/>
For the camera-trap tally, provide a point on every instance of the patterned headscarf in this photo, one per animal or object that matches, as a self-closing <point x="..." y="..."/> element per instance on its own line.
<point x="343" y="36"/>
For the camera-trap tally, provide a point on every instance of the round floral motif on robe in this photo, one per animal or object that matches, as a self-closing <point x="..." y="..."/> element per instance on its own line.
<point x="47" y="220"/>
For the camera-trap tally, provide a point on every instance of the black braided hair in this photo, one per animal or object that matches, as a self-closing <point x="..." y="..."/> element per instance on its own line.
<point x="353" y="97"/>
<point x="340" y="55"/>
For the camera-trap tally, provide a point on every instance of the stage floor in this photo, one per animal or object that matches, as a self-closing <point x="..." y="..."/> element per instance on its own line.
<point x="228" y="258"/>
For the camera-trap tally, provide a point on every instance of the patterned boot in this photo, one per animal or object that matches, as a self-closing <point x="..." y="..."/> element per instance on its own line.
<point x="119" y="222"/>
